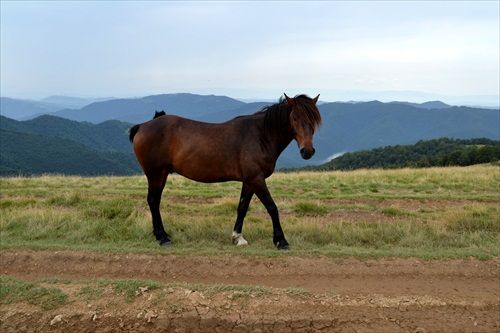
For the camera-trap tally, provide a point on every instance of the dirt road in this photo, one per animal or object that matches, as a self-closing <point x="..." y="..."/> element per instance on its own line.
<point x="304" y="294"/>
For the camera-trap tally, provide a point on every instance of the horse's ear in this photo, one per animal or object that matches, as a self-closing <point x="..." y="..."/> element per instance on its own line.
<point x="290" y="101"/>
<point x="315" y="100"/>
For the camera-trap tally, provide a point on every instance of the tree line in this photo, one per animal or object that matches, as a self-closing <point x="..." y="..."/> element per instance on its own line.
<point x="425" y="153"/>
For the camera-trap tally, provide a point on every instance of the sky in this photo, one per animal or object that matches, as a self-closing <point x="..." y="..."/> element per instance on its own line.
<point x="344" y="50"/>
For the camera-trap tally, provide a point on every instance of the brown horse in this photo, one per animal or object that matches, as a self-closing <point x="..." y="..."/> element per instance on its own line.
<point x="243" y="149"/>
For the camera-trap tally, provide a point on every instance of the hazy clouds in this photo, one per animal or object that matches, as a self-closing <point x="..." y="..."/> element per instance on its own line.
<point x="249" y="49"/>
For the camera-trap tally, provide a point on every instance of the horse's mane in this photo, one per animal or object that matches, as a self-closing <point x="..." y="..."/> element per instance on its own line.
<point x="159" y="114"/>
<point x="277" y="116"/>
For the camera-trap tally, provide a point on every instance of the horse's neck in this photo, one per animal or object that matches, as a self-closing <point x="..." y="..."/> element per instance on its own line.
<point x="275" y="143"/>
<point x="282" y="146"/>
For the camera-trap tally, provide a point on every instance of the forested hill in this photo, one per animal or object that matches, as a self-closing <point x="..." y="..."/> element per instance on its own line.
<point x="33" y="154"/>
<point x="111" y="135"/>
<point x="49" y="144"/>
<point x="439" y="152"/>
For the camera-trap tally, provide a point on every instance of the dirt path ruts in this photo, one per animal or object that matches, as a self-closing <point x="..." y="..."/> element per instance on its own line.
<point x="347" y="294"/>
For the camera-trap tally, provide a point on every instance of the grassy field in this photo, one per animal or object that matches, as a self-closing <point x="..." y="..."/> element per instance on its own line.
<point x="427" y="213"/>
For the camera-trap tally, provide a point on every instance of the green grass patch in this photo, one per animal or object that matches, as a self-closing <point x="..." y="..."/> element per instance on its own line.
<point x="14" y="291"/>
<point x="17" y="291"/>
<point x="310" y="209"/>
<point x="395" y="211"/>
<point x="131" y="288"/>
<point x="298" y="292"/>
<point x="90" y="292"/>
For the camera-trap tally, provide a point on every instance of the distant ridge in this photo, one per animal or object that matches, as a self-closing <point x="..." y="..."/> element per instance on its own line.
<point x="426" y="105"/>
<point x="20" y="109"/>
<point x="24" y="109"/>
<point x="140" y="109"/>
<point x="65" y="102"/>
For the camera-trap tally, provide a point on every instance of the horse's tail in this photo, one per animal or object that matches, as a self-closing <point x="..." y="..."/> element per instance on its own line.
<point x="133" y="131"/>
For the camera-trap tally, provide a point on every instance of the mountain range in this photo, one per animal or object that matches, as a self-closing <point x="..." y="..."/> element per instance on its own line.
<point x="102" y="125"/>
<point x="23" y="109"/>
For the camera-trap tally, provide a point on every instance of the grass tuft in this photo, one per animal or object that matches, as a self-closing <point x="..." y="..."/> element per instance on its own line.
<point x="90" y="292"/>
<point x="131" y="288"/>
<point x="310" y="209"/>
<point x="481" y="219"/>
<point x="298" y="292"/>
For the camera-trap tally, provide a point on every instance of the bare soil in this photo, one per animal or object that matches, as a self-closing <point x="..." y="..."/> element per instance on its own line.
<point x="306" y="294"/>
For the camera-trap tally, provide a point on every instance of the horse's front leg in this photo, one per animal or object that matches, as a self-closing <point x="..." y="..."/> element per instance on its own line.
<point x="155" y="190"/>
<point x="266" y="199"/>
<point x="245" y="198"/>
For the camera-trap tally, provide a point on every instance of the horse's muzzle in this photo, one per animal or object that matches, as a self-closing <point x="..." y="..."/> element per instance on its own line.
<point x="307" y="153"/>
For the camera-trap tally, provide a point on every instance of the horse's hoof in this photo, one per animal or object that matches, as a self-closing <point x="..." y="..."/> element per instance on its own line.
<point x="241" y="242"/>
<point x="283" y="246"/>
<point x="166" y="243"/>
<point x="238" y="239"/>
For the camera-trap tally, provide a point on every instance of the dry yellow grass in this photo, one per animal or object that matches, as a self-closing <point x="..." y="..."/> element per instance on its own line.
<point x="437" y="212"/>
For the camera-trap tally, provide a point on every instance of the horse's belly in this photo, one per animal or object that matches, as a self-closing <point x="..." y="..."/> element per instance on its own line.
<point x="207" y="170"/>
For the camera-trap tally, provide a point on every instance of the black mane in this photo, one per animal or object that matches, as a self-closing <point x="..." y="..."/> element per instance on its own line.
<point x="277" y="116"/>
<point x="159" y="114"/>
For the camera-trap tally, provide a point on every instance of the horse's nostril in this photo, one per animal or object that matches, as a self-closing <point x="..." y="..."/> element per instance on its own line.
<point x="307" y="153"/>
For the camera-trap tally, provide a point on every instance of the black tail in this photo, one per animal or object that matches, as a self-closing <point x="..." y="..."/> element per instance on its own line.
<point x="133" y="131"/>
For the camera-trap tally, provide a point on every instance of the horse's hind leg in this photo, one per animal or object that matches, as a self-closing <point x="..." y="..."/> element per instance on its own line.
<point x="156" y="183"/>
<point x="245" y="197"/>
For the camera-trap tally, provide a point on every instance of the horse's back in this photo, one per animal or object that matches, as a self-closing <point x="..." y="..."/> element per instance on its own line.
<point x="200" y="151"/>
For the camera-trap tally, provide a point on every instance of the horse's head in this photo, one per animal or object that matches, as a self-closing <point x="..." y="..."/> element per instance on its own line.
<point x="304" y="118"/>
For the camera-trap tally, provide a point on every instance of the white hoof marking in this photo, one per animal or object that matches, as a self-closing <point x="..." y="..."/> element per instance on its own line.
<point x="238" y="239"/>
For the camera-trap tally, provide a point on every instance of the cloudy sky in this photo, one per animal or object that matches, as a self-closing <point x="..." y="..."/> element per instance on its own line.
<point x="352" y="50"/>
